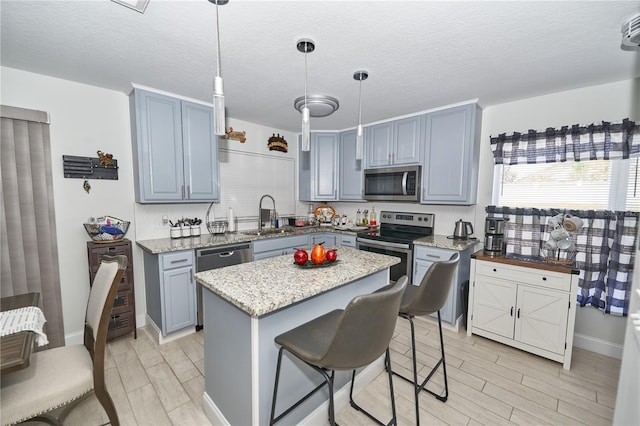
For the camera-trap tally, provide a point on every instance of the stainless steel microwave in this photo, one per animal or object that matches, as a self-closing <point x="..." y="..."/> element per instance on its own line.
<point x="392" y="184"/>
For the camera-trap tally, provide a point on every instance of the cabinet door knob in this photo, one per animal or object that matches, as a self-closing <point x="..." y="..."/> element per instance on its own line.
<point x="495" y="270"/>
<point x="544" y="278"/>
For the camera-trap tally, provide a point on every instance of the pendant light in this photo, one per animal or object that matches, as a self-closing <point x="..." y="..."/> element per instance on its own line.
<point x="360" y="76"/>
<point x="218" y="89"/>
<point x="305" y="46"/>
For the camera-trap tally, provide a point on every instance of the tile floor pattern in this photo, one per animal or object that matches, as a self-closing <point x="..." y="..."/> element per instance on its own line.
<point x="489" y="383"/>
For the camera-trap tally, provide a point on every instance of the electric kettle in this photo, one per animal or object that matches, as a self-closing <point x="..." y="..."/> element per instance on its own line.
<point x="462" y="230"/>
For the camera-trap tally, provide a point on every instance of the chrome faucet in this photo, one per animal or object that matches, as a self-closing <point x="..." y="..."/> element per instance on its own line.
<point x="260" y="211"/>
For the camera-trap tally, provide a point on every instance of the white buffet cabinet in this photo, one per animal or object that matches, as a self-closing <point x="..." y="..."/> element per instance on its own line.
<point x="529" y="306"/>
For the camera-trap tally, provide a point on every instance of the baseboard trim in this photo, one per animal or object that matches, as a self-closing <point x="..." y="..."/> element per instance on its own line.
<point x="212" y="412"/>
<point x="76" y="338"/>
<point x="157" y="333"/>
<point x="598" y="346"/>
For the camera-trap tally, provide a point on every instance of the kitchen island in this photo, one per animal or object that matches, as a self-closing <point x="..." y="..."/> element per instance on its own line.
<point x="247" y="305"/>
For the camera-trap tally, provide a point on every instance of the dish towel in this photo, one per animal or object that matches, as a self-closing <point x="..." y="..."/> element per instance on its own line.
<point x="30" y="318"/>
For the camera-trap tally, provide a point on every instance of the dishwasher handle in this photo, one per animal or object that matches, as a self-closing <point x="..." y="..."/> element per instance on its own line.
<point x="222" y="251"/>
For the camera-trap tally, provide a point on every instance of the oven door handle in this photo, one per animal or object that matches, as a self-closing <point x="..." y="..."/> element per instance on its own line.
<point x="384" y="245"/>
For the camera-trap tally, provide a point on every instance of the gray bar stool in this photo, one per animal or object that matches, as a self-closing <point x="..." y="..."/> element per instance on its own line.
<point x="426" y="299"/>
<point x="344" y="340"/>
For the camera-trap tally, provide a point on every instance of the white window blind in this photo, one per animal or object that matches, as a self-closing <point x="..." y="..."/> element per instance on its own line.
<point x="569" y="185"/>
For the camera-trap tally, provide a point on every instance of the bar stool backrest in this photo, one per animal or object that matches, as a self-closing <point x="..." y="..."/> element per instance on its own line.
<point x="434" y="288"/>
<point x="365" y="328"/>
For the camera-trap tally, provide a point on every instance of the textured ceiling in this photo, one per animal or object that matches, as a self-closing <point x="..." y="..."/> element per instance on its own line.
<point x="420" y="54"/>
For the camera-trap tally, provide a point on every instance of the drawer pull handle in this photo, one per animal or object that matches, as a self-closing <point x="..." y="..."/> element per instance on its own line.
<point x="433" y="256"/>
<point x="179" y="260"/>
<point x="111" y="249"/>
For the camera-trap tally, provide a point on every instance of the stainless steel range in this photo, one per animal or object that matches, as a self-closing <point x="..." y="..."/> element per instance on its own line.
<point x="395" y="237"/>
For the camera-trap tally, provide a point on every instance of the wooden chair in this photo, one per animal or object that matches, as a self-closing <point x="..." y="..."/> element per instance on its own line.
<point x="64" y="376"/>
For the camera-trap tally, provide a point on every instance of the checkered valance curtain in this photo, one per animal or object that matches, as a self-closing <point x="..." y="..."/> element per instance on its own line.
<point x="605" y="141"/>
<point x="604" y="249"/>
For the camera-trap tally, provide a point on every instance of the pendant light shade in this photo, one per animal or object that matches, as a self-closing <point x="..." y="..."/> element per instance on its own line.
<point x="219" y="128"/>
<point x="305" y="46"/>
<point x="360" y="76"/>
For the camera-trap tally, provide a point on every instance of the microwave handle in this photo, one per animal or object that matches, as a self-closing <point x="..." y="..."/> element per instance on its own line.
<point x="405" y="176"/>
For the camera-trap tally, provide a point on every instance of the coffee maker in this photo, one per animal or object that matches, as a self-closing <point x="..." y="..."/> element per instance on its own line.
<point x="493" y="236"/>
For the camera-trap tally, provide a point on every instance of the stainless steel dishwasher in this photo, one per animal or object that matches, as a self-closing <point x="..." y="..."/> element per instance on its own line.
<point x="219" y="257"/>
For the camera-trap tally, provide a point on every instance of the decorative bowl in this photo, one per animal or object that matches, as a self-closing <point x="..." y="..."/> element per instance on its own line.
<point x="103" y="233"/>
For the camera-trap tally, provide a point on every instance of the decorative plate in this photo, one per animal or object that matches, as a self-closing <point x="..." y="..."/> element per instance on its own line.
<point x="310" y="264"/>
<point x="321" y="212"/>
<point x="358" y="228"/>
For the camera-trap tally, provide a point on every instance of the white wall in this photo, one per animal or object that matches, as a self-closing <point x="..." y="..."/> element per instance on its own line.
<point x="607" y="102"/>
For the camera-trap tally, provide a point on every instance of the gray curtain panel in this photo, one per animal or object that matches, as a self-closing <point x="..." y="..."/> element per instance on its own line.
<point x="28" y="243"/>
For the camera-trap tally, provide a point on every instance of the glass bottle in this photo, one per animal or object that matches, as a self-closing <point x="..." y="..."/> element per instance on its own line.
<point x="372" y="217"/>
<point x="358" y="218"/>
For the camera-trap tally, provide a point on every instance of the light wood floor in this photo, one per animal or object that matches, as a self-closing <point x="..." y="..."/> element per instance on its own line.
<point x="489" y="384"/>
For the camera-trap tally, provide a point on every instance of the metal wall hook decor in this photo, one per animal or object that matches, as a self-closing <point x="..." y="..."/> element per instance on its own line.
<point x="102" y="167"/>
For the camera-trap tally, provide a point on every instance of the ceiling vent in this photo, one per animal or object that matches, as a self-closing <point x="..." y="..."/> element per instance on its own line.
<point x="631" y="33"/>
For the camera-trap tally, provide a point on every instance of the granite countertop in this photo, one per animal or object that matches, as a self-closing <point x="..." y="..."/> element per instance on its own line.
<point x="442" y="241"/>
<point x="267" y="285"/>
<point x="166" y="245"/>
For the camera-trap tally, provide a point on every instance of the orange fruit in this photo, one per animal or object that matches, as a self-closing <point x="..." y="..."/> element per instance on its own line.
<point x="318" y="254"/>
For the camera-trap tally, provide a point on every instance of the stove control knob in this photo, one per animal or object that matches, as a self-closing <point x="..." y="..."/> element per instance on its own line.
<point x="419" y="218"/>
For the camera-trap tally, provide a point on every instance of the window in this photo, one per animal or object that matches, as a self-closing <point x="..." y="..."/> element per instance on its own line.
<point x="588" y="185"/>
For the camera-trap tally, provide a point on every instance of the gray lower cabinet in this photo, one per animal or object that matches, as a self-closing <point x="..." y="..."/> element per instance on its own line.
<point x="351" y="179"/>
<point x="424" y="257"/>
<point x="170" y="290"/>
<point x="279" y="246"/>
<point x="175" y="152"/>
<point x="347" y="240"/>
<point x="395" y="142"/>
<point x="451" y="154"/>
<point x="327" y="239"/>
<point x="318" y="168"/>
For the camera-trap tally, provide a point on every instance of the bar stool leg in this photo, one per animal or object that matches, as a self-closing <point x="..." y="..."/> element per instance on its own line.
<point x="421" y="387"/>
<point x="394" y="420"/>
<point x="328" y="380"/>
<point x="275" y="387"/>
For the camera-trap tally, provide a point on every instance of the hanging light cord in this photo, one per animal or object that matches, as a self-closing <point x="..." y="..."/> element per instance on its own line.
<point x="218" y="38"/>
<point x="306" y="46"/>
<point x="360" y="101"/>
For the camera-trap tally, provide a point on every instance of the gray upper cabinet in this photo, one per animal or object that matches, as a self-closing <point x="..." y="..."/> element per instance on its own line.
<point x="394" y="143"/>
<point x="175" y="151"/>
<point x="318" y="168"/>
<point x="351" y="180"/>
<point x="450" y="164"/>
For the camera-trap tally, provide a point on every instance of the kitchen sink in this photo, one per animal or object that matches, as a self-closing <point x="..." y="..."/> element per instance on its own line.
<point x="278" y="231"/>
